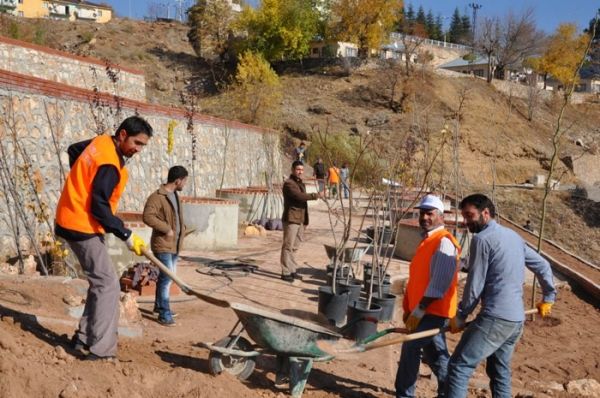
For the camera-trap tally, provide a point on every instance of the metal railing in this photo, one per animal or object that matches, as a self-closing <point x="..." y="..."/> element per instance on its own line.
<point x="395" y="36"/>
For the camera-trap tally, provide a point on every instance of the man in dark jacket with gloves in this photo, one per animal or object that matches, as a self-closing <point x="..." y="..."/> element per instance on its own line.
<point x="295" y="219"/>
<point x="163" y="213"/>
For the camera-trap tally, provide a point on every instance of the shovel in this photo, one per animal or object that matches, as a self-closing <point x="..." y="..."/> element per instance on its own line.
<point x="182" y="285"/>
<point x="335" y="348"/>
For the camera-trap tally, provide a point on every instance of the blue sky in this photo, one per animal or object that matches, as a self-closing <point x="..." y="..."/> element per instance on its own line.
<point x="549" y="13"/>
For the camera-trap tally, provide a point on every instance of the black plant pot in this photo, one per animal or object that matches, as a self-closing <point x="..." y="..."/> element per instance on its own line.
<point x="333" y="306"/>
<point x="385" y="288"/>
<point x="384" y="234"/>
<point x="367" y="275"/>
<point x="387" y="302"/>
<point x="339" y="279"/>
<point x="353" y="287"/>
<point x="362" y="321"/>
<point x="341" y="271"/>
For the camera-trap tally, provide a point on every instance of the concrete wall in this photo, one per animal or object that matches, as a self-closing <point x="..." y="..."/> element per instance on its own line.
<point x="520" y="90"/>
<point x="40" y="113"/>
<point x="255" y="202"/>
<point x="215" y="223"/>
<point x="58" y="66"/>
<point x="409" y="236"/>
<point x="441" y="55"/>
<point x="586" y="169"/>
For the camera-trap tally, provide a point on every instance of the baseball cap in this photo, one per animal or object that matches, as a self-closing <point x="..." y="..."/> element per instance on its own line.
<point x="431" y="202"/>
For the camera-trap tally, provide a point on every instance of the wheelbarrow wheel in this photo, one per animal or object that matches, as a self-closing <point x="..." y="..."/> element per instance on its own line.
<point x="240" y="367"/>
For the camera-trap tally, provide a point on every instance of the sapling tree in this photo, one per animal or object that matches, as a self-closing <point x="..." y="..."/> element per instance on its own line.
<point x="564" y="58"/>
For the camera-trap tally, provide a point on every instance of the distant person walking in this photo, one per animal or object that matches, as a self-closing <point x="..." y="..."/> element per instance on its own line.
<point x="497" y="260"/>
<point x="164" y="214"/>
<point x="333" y="180"/>
<point x="85" y="212"/>
<point x="300" y="152"/>
<point x="320" y="174"/>
<point x="295" y="220"/>
<point x="345" y="177"/>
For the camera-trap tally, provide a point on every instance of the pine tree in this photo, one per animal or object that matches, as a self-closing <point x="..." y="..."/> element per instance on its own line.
<point x="467" y="33"/>
<point x="456" y="27"/>
<point x="430" y="25"/>
<point x="439" y="27"/>
<point x="421" y="18"/>
<point x="410" y="14"/>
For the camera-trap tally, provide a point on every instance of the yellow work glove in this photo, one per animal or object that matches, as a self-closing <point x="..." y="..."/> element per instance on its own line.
<point x="544" y="308"/>
<point x="457" y="324"/>
<point x="414" y="318"/>
<point x="136" y="244"/>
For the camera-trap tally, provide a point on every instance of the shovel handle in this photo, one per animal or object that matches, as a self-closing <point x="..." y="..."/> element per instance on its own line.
<point x="184" y="287"/>
<point x="418" y="335"/>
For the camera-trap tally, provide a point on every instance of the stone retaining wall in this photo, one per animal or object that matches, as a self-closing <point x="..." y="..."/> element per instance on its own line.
<point x="46" y="117"/>
<point x="73" y="70"/>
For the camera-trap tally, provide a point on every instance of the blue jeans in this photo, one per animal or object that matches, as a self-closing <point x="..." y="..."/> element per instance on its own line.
<point x="434" y="352"/>
<point x="321" y="185"/>
<point x="161" y="302"/>
<point x="488" y="338"/>
<point x="346" y="190"/>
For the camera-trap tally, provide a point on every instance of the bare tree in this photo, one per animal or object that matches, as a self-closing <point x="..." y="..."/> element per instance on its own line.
<point x="395" y="84"/>
<point x="509" y="42"/>
<point x="489" y="43"/>
<point x="520" y="39"/>
<point x="411" y="43"/>
<point x="413" y="36"/>
<point x="533" y="95"/>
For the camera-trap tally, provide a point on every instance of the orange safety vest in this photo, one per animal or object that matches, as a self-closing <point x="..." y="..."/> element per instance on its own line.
<point x="418" y="277"/>
<point x="74" y="206"/>
<point x="334" y="175"/>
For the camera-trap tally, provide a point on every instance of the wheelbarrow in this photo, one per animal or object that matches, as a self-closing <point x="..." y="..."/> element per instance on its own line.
<point x="292" y="340"/>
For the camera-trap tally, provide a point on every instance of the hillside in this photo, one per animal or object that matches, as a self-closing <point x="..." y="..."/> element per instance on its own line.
<point x="492" y="125"/>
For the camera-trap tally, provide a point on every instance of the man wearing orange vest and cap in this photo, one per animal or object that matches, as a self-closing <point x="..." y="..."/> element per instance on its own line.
<point x="85" y="212"/>
<point x="430" y="298"/>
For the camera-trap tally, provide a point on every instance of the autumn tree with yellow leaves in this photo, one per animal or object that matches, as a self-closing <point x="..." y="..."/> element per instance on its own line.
<point x="563" y="56"/>
<point x="278" y="29"/>
<point x="364" y="22"/>
<point x="257" y="90"/>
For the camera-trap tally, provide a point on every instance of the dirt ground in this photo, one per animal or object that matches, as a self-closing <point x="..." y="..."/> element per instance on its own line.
<point x="36" y="361"/>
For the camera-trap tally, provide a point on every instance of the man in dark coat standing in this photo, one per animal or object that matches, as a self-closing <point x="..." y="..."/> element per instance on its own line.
<point x="295" y="219"/>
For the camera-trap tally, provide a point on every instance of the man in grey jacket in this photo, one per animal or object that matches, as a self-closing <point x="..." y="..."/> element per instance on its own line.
<point x="163" y="213"/>
<point x="497" y="260"/>
<point x="295" y="219"/>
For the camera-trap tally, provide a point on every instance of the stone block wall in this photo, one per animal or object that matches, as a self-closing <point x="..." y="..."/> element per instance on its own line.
<point x="46" y="117"/>
<point x="62" y="67"/>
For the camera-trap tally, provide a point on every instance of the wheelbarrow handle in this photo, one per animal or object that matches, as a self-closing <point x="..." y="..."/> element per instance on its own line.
<point x="418" y="335"/>
<point x="340" y="348"/>
<point x="184" y="287"/>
